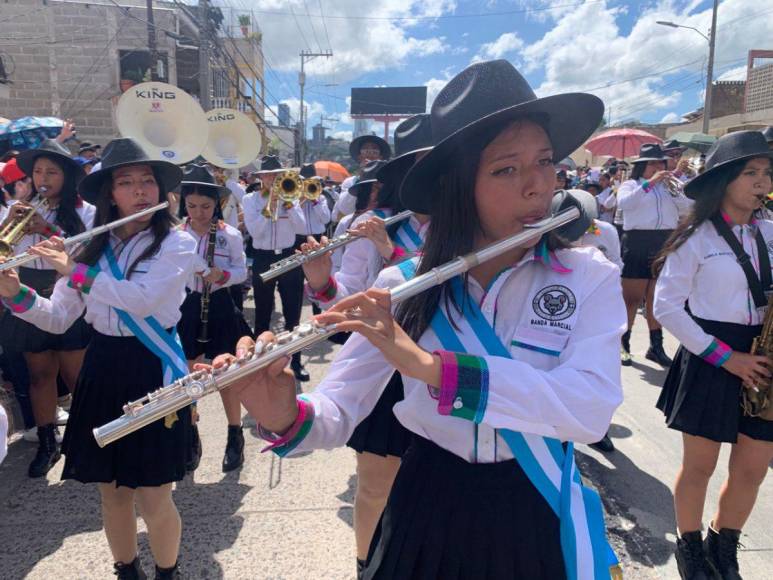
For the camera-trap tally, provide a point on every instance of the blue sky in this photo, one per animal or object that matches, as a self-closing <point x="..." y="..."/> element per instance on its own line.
<point x="612" y="48"/>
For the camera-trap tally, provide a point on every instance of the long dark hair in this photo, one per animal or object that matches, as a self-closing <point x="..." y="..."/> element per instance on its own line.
<point x="67" y="217"/>
<point x="639" y="168"/>
<point x="707" y="203"/>
<point x="210" y="192"/>
<point x="453" y="226"/>
<point x="160" y="224"/>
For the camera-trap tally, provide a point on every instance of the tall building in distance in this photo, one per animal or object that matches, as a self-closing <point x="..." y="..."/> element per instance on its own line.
<point x="283" y="114"/>
<point x="759" y="81"/>
<point x="361" y="127"/>
<point x="318" y="132"/>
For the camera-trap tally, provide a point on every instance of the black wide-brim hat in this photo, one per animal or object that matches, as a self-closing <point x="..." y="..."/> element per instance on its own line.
<point x="738" y="146"/>
<point x="200" y="177"/>
<point x="368" y="177"/>
<point x="651" y="152"/>
<point x="412" y="137"/>
<point x="122" y="153"/>
<point x="767" y="132"/>
<point x="49" y="148"/>
<point x="488" y="94"/>
<point x="270" y="164"/>
<point x="356" y="144"/>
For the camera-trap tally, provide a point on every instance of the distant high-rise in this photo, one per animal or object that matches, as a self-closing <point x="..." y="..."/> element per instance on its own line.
<point x="283" y="114"/>
<point x="361" y="127"/>
<point x="318" y="132"/>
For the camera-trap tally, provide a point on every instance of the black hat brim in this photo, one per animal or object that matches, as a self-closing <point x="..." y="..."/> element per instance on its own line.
<point x="354" y="146"/>
<point x="221" y="190"/>
<point x="169" y="173"/>
<point x="25" y="160"/>
<point x="693" y="187"/>
<point x="648" y="159"/>
<point x="571" y="119"/>
<point x="354" y="189"/>
<point x="398" y="167"/>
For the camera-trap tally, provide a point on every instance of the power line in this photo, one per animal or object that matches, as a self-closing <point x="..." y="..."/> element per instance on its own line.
<point x="311" y="24"/>
<point x="324" y="25"/>
<point x="298" y="24"/>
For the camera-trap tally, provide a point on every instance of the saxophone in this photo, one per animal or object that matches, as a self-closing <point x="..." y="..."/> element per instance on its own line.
<point x="756" y="402"/>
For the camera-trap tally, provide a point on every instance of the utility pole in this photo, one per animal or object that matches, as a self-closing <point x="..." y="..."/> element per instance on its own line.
<point x="204" y="33"/>
<point x="152" y="49"/>
<point x="710" y="70"/>
<point x="306" y="55"/>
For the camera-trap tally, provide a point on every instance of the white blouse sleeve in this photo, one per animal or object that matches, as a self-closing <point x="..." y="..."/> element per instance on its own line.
<point x="674" y="286"/>
<point x="237" y="259"/>
<point x="56" y="314"/>
<point x="630" y="195"/>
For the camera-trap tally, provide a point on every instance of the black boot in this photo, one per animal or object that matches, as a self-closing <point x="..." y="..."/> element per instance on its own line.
<point x="168" y="573"/>
<point x="656" y="352"/>
<point x="48" y="451"/>
<point x="722" y="551"/>
<point x="690" y="558"/>
<point x="299" y="370"/>
<point x="604" y="444"/>
<point x="131" y="571"/>
<point x="194" y="452"/>
<point x="625" y="350"/>
<point x="234" y="449"/>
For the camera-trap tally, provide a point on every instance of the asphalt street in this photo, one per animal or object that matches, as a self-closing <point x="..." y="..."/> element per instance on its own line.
<point x="291" y="519"/>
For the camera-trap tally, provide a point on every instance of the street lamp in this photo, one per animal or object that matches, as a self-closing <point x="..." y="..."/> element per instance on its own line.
<point x="711" y="38"/>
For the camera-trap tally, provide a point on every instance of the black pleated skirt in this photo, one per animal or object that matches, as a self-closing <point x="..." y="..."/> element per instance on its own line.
<point x="446" y="518"/>
<point x="17" y="335"/>
<point x="117" y="370"/>
<point x="639" y="249"/>
<point x="702" y="400"/>
<point x="226" y="325"/>
<point x="380" y="432"/>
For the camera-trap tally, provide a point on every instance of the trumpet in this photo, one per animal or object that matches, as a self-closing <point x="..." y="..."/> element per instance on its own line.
<point x="12" y="233"/>
<point x="193" y="387"/>
<point x="673" y="185"/>
<point x="288" y="188"/>
<point x="84" y="237"/>
<point x="292" y="262"/>
<point x="311" y="190"/>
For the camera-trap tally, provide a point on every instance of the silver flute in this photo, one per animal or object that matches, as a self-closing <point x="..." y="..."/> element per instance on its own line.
<point x="292" y="262"/>
<point x="192" y="387"/>
<point x="84" y="236"/>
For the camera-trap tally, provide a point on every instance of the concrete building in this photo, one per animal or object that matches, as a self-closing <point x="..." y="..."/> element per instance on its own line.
<point x="759" y="81"/>
<point x="71" y="58"/>
<point x="361" y="127"/>
<point x="283" y="113"/>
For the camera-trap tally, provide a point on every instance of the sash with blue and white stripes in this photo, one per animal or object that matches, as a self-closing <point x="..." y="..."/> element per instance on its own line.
<point x="405" y="236"/>
<point x="549" y="466"/>
<point x="165" y="345"/>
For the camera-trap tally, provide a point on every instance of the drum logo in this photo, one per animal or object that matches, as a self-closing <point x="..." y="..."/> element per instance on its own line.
<point x="554" y="303"/>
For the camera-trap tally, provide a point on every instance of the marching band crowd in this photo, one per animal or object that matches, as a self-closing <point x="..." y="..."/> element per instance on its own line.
<point x="483" y="382"/>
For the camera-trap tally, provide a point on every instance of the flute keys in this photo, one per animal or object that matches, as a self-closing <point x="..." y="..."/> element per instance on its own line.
<point x="194" y="389"/>
<point x="304" y="330"/>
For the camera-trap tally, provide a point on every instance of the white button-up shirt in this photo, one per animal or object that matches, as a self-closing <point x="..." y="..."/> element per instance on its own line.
<point x="563" y="331"/>
<point x="229" y="256"/>
<point x="705" y="273"/>
<point x="156" y="288"/>
<point x="655" y="209"/>
<point x="85" y="211"/>
<point x="266" y="233"/>
<point x="316" y="215"/>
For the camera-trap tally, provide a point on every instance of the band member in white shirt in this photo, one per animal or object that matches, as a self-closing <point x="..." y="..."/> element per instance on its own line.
<point x="130" y="282"/>
<point x="60" y="212"/>
<point x="273" y="225"/>
<point x="506" y="362"/>
<point x="718" y="262"/>
<point x="652" y="203"/>
<point x="214" y="329"/>
<point x="363" y="150"/>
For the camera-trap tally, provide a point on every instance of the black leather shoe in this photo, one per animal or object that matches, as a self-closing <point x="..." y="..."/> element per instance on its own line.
<point x="131" y="571"/>
<point x="656" y="352"/>
<point x="691" y="559"/>
<point x="722" y="552"/>
<point x="300" y="372"/>
<point x="48" y="452"/>
<point x="194" y="454"/>
<point x="172" y="573"/>
<point x="605" y="444"/>
<point x="234" y="449"/>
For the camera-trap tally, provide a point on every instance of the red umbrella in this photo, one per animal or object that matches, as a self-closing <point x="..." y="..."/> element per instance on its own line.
<point x="620" y="143"/>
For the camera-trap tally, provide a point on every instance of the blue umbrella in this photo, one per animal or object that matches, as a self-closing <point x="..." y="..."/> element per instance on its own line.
<point x="29" y="132"/>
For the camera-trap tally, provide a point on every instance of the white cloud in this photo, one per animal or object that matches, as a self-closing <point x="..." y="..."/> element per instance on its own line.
<point x="506" y="44"/>
<point x="345" y="135"/>
<point x="359" y="46"/>
<point x="734" y="74"/>
<point x="670" y="118"/>
<point x="586" y="50"/>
